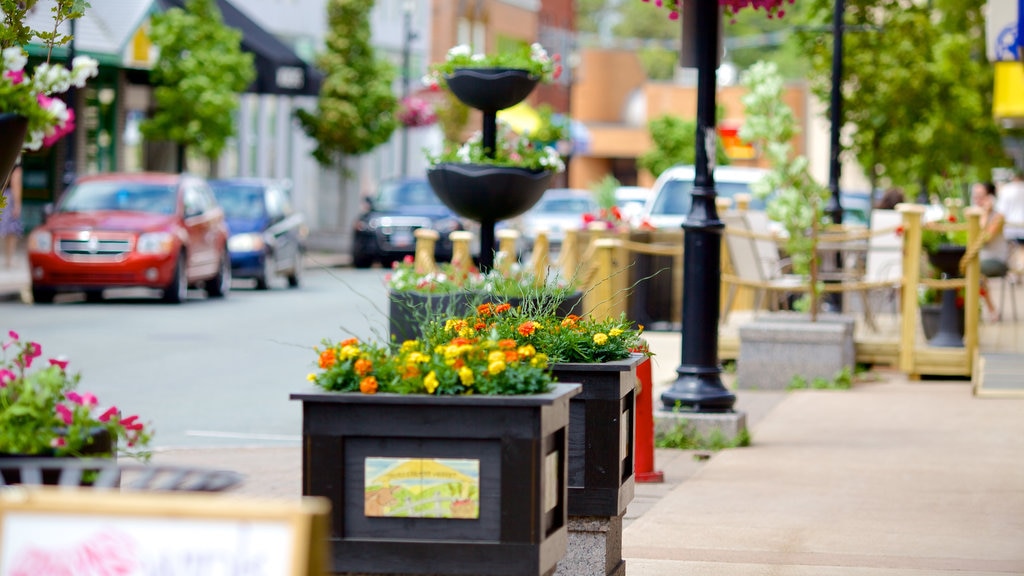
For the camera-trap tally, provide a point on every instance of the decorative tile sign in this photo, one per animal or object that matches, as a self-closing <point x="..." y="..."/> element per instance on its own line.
<point x="422" y="488"/>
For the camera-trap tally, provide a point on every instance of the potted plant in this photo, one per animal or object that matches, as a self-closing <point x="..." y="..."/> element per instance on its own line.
<point x="944" y="243"/>
<point x="797" y="202"/>
<point x="30" y="117"/>
<point x="42" y="413"/>
<point x="438" y="458"/>
<point x="599" y="354"/>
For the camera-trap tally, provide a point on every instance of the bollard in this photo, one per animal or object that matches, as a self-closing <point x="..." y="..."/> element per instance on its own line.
<point x="643" y="458"/>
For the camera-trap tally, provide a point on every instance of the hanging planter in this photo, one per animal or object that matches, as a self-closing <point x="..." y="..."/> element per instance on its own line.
<point x="491" y="89"/>
<point x="487" y="192"/>
<point x="13" y="128"/>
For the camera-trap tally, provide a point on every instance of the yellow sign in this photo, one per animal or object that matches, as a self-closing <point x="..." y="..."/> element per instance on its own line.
<point x="1008" y="96"/>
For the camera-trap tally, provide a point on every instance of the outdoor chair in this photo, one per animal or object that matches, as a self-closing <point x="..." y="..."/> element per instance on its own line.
<point x="756" y="262"/>
<point x="884" y="260"/>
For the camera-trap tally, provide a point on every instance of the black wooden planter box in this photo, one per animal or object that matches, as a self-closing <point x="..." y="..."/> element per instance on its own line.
<point x="601" y="430"/>
<point x="358" y="451"/>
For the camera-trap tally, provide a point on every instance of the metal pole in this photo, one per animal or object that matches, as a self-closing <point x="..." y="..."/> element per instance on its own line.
<point x="406" y="47"/>
<point x="699" y="385"/>
<point x="835" y="207"/>
<point x="68" y="178"/>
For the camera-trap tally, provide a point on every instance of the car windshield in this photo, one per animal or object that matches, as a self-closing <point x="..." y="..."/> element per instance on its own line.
<point x="675" y="198"/>
<point x="241" y="201"/>
<point x="409" y="193"/>
<point x="126" y="196"/>
<point x="565" y="206"/>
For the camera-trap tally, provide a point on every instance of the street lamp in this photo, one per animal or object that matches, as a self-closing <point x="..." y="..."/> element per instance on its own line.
<point x="699" y="385"/>
<point x="408" y="7"/>
<point x="835" y="207"/>
<point x="68" y="178"/>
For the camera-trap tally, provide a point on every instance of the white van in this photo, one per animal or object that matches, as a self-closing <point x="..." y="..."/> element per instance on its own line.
<point x="670" y="198"/>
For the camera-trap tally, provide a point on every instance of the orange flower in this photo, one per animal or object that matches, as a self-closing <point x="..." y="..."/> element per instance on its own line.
<point x="570" y="320"/>
<point x="527" y="328"/>
<point x="502" y="308"/>
<point x="362" y="366"/>
<point x="479" y="326"/>
<point x="411" y="371"/>
<point x="506" y="344"/>
<point x="349" y="342"/>
<point x="899" y="230"/>
<point x="328" y="358"/>
<point x="511" y="356"/>
<point x="460" y="342"/>
<point x="368" y="385"/>
<point x="484" y="309"/>
<point x="459" y="363"/>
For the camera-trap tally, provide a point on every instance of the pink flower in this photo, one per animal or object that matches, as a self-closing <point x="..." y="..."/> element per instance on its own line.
<point x="89" y="400"/>
<point x="110" y="413"/>
<point x="58" y="442"/>
<point x="15" y="76"/>
<point x="35" y="350"/>
<point x="74" y="397"/>
<point x="62" y="364"/>
<point x="5" y="377"/>
<point x="13" y="335"/>
<point x="130" y="423"/>
<point x="65" y="414"/>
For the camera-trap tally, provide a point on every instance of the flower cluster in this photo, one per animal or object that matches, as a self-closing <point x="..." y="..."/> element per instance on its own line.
<point x="533" y="58"/>
<point x="42" y="413"/>
<point x="416" y="112"/>
<point x="457" y="365"/>
<point x="513" y="150"/>
<point x="773" y="8"/>
<point x="570" y="338"/>
<point x="512" y="281"/>
<point x="49" y="119"/>
<point x="948" y="229"/>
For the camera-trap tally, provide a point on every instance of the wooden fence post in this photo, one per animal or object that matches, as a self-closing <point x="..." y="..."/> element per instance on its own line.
<point x="426" y="239"/>
<point x="912" y="214"/>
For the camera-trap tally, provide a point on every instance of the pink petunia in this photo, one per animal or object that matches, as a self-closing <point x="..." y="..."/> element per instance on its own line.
<point x="13" y="335"/>
<point x="58" y="442"/>
<point x="110" y="413"/>
<point x="74" y="397"/>
<point x="6" y="376"/>
<point x="15" y="76"/>
<point x="59" y="362"/>
<point x="89" y="400"/>
<point x="65" y="414"/>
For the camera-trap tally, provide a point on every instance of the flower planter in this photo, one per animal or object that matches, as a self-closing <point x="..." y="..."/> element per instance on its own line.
<point x="490" y="494"/>
<point x="930" y="315"/>
<point x="13" y="128"/>
<point x="946" y="258"/>
<point x="409" y="311"/>
<point x="488" y="193"/>
<point x="491" y="89"/>
<point x="101" y="443"/>
<point x="601" y="427"/>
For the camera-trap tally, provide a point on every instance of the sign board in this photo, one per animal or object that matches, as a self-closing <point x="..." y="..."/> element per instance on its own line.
<point x="1002" y="41"/>
<point x="45" y="530"/>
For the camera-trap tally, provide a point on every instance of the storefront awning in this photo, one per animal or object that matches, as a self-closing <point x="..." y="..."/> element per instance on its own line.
<point x="278" y="69"/>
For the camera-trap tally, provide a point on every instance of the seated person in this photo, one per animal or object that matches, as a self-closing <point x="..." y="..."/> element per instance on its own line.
<point x="994" y="251"/>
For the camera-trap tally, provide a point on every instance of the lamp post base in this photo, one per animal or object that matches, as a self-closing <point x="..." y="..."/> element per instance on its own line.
<point x="698" y="391"/>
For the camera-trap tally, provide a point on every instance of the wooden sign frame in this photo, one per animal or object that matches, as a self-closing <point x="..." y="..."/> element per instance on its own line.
<point x="160" y="525"/>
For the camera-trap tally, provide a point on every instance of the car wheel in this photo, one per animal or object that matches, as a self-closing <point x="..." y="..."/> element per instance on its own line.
<point x="267" y="274"/>
<point x="94" y="296"/>
<point x="220" y="285"/>
<point x="177" y="291"/>
<point x="294" y="279"/>
<point x="360" y="260"/>
<point x="43" y="295"/>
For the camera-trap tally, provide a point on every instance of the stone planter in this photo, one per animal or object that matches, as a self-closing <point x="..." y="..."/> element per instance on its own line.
<point x="776" y="347"/>
<point x="424" y="484"/>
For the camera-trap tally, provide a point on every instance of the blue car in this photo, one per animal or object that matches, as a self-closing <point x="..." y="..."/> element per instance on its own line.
<point x="267" y="236"/>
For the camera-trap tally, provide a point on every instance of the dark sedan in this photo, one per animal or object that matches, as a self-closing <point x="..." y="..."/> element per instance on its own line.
<point x="267" y="234"/>
<point x="384" y="231"/>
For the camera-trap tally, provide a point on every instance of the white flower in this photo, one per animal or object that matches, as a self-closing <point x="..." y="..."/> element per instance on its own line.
<point x="478" y="58"/>
<point x="460" y="50"/>
<point x="14" y="59"/>
<point x="83" y="68"/>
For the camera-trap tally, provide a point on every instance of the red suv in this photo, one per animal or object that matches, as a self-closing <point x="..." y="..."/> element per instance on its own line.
<point x="152" y="230"/>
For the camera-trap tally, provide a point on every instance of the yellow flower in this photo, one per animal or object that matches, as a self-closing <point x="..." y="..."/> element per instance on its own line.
<point x="430" y="382"/>
<point x="496" y="367"/>
<point x="466" y="375"/>
<point x="348" y="352"/>
<point x="600" y="338"/>
<point x="311" y="377"/>
<point x="539" y="361"/>
<point x="467" y="332"/>
<point x="496" y="356"/>
<point x="526" y="351"/>
<point x="615" y="332"/>
<point x="410" y="345"/>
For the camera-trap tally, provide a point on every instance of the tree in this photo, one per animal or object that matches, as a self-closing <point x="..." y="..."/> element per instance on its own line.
<point x="915" y="86"/>
<point x="357" y="108"/>
<point x="674" y="143"/>
<point x="198" y="76"/>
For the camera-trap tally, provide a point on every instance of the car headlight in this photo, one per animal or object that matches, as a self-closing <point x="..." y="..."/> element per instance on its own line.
<point x="40" y="241"/>
<point x="249" y="242"/>
<point x="155" y="243"/>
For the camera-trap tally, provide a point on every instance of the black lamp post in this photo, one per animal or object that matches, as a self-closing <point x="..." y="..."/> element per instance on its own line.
<point x="68" y="178"/>
<point x="699" y="385"/>
<point x="408" y="36"/>
<point x="835" y="207"/>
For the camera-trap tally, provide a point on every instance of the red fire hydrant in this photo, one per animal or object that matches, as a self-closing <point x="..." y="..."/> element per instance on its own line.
<point x="643" y="457"/>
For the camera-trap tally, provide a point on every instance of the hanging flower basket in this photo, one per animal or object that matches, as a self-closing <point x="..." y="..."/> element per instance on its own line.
<point x="491" y="89"/>
<point x="12" y="136"/>
<point x="488" y="193"/>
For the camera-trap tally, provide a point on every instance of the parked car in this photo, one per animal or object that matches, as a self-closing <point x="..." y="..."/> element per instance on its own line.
<point x="267" y="236"/>
<point x="670" y="198"/>
<point x="384" y="231"/>
<point x="153" y="230"/>
<point x="558" y="210"/>
<point x="631" y="201"/>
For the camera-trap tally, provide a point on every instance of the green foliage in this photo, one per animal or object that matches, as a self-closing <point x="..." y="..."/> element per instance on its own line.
<point x="356" y="111"/>
<point x="14" y="31"/>
<point x="550" y="130"/>
<point x="452" y="116"/>
<point x="659" y="63"/>
<point x="903" y="64"/>
<point x="674" y="143"/>
<point x="843" y="380"/>
<point x="198" y="76"/>
<point x="798" y="201"/>
<point x="683" y="436"/>
<point x="604" y="191"/>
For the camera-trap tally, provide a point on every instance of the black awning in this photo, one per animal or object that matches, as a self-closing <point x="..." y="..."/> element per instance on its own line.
<point x="278" y="69"/>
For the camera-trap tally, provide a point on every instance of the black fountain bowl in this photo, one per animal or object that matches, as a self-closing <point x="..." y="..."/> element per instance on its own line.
<point x="946" y="258"/>
<point x="491" y="89"/>
<point x="488" y="193"/>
